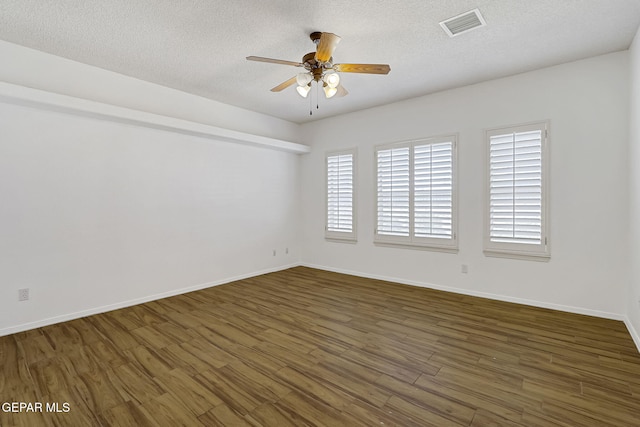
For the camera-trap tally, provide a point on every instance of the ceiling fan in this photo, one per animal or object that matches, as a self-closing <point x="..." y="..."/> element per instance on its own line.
<point x="320" y="68"/>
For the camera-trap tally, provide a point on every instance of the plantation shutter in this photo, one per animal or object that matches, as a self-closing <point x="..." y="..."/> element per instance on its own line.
<point x="340" y="193"/>
<point x="393" y="192"/>
<point x="515" y="187"/>
<point x="433" y="190"/>
<point x="416" y="193"/>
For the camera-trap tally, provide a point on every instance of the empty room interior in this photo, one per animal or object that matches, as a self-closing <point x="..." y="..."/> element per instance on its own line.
<point x="297" y="213"/>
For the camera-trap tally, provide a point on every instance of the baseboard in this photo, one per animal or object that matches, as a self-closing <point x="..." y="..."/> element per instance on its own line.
<point x="105" y="308"/>
<point x="497" y="297"/>
<point x="632" y="331"/>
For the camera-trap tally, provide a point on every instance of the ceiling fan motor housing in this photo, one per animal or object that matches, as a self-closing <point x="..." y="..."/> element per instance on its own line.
<point x="317" y="69"/>
<point x="309" y="60"/>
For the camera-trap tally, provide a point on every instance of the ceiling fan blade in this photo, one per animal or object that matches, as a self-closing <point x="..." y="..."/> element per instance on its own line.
<point x="284" y="85"/>
<point x="363" y="68"/>
<point x="326" y="46"/>
<point x="274" y="61"/>
<point x="341" y="91"/>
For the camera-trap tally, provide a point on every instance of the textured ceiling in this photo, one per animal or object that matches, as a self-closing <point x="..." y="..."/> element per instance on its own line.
<point x="199" y="46"/>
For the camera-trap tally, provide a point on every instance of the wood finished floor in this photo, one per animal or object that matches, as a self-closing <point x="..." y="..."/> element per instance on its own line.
<point x="308" y="347"/>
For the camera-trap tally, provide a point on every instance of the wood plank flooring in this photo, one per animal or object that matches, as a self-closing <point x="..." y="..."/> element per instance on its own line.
<point x="308" y="347"/>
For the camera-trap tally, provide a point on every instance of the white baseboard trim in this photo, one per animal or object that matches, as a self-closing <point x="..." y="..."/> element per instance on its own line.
<point x="497" y="297"/>
<point x="632" y="331"/>
<point x="110" y="307"/>
<point x="103" y="309"/>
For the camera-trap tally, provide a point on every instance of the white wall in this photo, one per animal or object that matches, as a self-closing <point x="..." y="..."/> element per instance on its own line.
<point x="96" y="214"/>
<point x="586" y="103"/>
<point x="633" y="297"/>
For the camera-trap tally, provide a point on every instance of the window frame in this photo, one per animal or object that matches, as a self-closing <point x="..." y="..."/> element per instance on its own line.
<point x="334" y="235"/>
<point x="411" y="241"/>
<point x="525" y="251"/>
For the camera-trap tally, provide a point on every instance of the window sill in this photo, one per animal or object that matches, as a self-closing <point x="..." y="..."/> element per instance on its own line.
<point x="541" y="257"/>
<point x="420" y="247"/>
<point x="337" y="238"/>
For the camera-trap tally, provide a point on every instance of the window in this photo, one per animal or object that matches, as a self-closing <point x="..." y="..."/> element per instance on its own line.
<point x="416" y="195"/>
<point x="340" y="222"/>
<point x="517" y="200"/>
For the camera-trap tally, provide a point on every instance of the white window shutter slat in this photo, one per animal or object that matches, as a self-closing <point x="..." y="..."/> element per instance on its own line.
<point x="340" y="195"/>
<point x="415" y="193"/>
<point x="393" y="192"/>
<point x="516" y="195"/>
<point x="433" y="195"/>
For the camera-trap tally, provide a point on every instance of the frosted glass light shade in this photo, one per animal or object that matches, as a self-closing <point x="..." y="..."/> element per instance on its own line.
<point x="304" y="90"/>
<point x="332" y="79"/>
<point x="329" y="91"/>
<point x="303" y="79"/>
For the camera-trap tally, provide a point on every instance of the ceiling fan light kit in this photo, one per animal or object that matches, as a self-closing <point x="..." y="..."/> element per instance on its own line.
<point x="303" y="79"/>
<point x="329" y="91"/>
<point x="320" y="68"/>
<point x="332" y="79"/>
<point x="303" y="90"/>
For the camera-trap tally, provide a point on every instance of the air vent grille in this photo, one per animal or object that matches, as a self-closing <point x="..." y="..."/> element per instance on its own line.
<point x="462" y="23"/>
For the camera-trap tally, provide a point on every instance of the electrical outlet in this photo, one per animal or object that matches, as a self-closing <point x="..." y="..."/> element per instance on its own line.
<point x="274" y="252"/>
<point x="23" y="294"/>
<point x="286" y="251"/>
<point x="464" y="268"/>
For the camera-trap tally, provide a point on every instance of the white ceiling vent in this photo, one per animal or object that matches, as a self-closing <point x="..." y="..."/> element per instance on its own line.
<point x="462" y="23"/>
